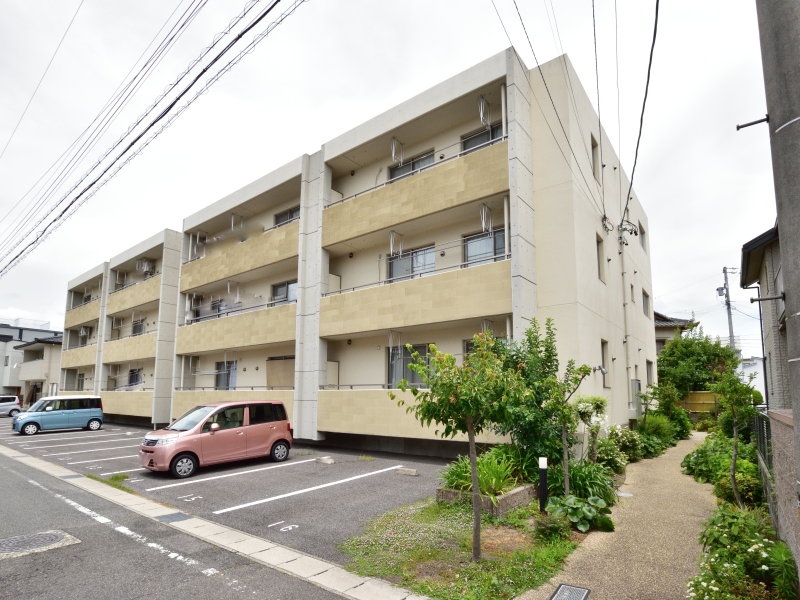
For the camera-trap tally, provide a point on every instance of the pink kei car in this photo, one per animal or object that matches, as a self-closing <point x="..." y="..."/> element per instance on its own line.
<point x="216" y="433"/>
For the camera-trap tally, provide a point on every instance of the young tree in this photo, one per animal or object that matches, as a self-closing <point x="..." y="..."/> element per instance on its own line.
<point x="736" y="397"/>
<point x="663" y="396"/>
<point x="591" y="411"/>
<point x="466" y="399"/>
<point x="560" y="392"/>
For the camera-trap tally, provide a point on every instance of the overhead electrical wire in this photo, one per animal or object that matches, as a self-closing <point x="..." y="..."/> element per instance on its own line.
<point x="599" y="123"/>
<point x="619" y="121"/>
<point x="81" y="198"/>
<point x="46" y="69"/>
<point x="641" y="118"/>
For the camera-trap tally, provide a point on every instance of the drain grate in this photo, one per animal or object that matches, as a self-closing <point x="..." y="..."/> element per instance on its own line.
<point x="23" y="543"/>
<point x="570" y="592"/>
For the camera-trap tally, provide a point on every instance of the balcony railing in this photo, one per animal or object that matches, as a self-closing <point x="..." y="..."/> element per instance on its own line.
<point x="130" y="335"/>
<point x="83" y="304"/>
<point x="132" y="283"/>
<point x="128" y="387"/>
<point x="426" y="168"/>
<point x="81" y="346"/>
<point x="235" y="311"/>
<point x="238" y="388"/>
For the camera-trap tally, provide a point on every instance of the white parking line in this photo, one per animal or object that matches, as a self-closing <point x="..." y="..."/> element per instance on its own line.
<point x="125" y="471"/>
<point x="83" y="462"/>
<point x="48" y="438"/>
<point x="93" y="450"/>
<point x="299" y="462"/>
<point x="45" y="448"/>
<point x="311" y="489"/>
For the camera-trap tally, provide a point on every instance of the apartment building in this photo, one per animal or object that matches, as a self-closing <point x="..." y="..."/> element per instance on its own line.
<point x="40" y="369"/>
<point x="15" y="333"/>
<point x="464" y="209"/>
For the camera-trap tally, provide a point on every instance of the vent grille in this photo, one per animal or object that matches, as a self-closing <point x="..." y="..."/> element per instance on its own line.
<point x="570" y="592"/>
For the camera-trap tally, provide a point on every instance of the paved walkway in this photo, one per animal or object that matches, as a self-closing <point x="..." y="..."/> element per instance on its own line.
<point x="655" y="548"/>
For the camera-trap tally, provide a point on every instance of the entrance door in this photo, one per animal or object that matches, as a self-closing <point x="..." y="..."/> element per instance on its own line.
<point x="229" y="442"/>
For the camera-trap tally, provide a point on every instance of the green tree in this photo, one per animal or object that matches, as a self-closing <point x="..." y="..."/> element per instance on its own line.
<point x="591" y="411"/>
<point x="560" y="392"/>
<point x="464" y="399"/>
<point x="736" y="398"/>
<point x="663" y="396"/>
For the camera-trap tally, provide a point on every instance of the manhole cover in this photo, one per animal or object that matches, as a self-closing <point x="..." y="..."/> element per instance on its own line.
<point x="24" y="543"/>
<point x="570" y="592"/>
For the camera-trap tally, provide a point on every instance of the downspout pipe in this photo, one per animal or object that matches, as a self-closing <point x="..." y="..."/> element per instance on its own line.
<point x="503" y="108"/>
<point x="763" y="350"/>
<point x="627" y="341"/>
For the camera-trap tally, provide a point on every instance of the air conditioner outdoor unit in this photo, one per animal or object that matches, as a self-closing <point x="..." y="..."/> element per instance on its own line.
<point x="85" y="331"/>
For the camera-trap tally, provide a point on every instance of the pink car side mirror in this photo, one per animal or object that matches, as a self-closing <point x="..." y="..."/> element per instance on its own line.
<point x="214" y="427"/>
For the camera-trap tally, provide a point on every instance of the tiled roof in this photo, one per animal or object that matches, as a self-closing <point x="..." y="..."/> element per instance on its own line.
<point x="55" y="339"/>
<point x="662" y="320"/>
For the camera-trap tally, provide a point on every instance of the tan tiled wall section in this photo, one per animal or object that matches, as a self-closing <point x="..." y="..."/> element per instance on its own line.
<point x="134" y="404"/>
<point x="259" y="327"/>
<point x="229" y="260"/>
<point x="133" y="296"/>
<point x="136" y="347"/>
<point x="472" y="177"/>
<point x="450" y="296"/>
<point x="372" y="412"/>
<point x="79" y="357"/>
<point x="86" y="313"/>
<point x="184" y="401"/>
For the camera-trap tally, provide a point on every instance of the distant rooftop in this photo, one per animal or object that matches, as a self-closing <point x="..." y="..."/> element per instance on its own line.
<point x="28" y="323"/>
<point x="662" y="320"/>
<point x="55" y="340"/>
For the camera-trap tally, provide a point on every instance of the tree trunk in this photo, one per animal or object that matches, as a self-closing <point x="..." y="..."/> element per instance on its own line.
<point x="565" y="460"/>
<point x="593" y="451"/>
<point x="476" y="494"/>
<point x="736" y="493"/>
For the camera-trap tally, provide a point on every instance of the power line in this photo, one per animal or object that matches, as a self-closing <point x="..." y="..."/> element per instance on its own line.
<point x="687" y="285"/>
<point x="619" y="121"/>
<point x="641" y="119"/>
<point x="41" y="79"/>
<point x="599" y="123"/>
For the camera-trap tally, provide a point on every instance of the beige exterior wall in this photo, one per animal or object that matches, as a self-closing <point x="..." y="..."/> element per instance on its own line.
<point x="133" y="404"/>
<point x="478" y="291"/>
<point x="255" y="328"/>
<point x="79" y="357"/>
<point x="134" y="296"/>
<point x="472" y="177"/>
<point x="235" y="257"/>
<point x="83" y="314"/>
<point x="136" y="347"/>
<point x="185" y="401"/>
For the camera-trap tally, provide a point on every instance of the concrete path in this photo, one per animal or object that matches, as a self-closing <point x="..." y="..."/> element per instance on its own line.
<point x="655" y="548"/>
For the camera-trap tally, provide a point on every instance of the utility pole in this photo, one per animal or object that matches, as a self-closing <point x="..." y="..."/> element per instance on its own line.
<point x="728" y="307"/>
<point x="779" y="31"/>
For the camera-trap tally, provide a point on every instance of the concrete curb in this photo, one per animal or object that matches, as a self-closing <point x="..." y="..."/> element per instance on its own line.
<point x="323" y="574"/>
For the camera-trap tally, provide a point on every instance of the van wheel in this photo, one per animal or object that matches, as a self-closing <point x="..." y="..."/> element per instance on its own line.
<point x="280" y="451"/>
<point x="184" y="465"/>
<point x="93" y="425"/>
<point x="13" y="413"/>
<point x="30" y="429"/>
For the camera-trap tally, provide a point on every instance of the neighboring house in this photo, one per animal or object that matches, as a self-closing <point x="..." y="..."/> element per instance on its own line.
<point x="40" y="369"/>
<point x="415" y="227"/>
<point x="755" y="365"/>
<point x="13" y="332"/>
<point x="666" y="329"/>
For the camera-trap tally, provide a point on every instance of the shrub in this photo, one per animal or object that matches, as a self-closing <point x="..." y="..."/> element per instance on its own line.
<point x="629" y="442"/>
<point x="495" y="475"/>
<point x="711" y="462"/>
<point x="681" y="422"/>
<point x="525" y="465"/>
<point x="651" y="445"/>
<point x="582" y="513"/>
<point x="705" y="422"/>
<point x="609" y="455"/>
<point x="784" y="570"/>
<point x="552" y="527"/>
<point x="585" y="481"/>
<point x="749" y="487"/>
<point x="659" y="426"/>
<point x="725" y="424"/>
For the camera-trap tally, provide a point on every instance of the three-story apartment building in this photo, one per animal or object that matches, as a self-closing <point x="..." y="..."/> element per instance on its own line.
<point x="467" y="208"/>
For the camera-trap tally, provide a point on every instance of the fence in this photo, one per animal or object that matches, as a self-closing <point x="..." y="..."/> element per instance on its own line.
<point x="698" y="402"/>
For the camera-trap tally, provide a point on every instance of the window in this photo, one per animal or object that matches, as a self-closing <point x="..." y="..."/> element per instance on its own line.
<point x="645" y="303"/>
<point x="134" y="377"/>
<point x="137" y="328"/>
<point x="412" y="263"/>
<point x="279" y="412"/>
<point x="79" y="382"/>
<point x="79" y="404"/>
<point x="260" y="413"/>
<point x="636" y="372"/>
<point x="419" y="162"/>
<point x="642" y="237"/>
<point x="660" y="345"/>
<point x="482" y="248"/>
<point x="601" y="260"/>
<point x="481" y="137"/>
<point x="604" y="362"/>
<point x="469" y="347"/>
<point x="285" y="292"/>
<point x="287" y="216"/>
<point x="227" y="418"/>
<point x="226" y="375"/>
<point x="633" y="293"/>
<point x="83" y="336"/>
<point x="596" y="166"/>
<point x="399" y="361"/>
<point x="649" y="372"/>
<point x="5" y="362"/>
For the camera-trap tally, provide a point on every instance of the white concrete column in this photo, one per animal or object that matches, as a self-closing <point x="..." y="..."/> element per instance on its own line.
<point x="100" y="370"/>
<point x="169" y="295"/>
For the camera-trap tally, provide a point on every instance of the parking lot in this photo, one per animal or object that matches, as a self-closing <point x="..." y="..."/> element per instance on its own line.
<point x="301" y="503"/>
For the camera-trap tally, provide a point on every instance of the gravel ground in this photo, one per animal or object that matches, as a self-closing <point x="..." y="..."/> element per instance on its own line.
<point x="655" y="548"/>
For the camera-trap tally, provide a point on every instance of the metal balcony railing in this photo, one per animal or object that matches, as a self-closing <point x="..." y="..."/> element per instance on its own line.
<point x="225" y="312"/>
<point x="238" y="388"/>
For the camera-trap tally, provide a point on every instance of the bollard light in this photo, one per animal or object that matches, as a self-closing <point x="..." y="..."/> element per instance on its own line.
<point x="542" y="483"/>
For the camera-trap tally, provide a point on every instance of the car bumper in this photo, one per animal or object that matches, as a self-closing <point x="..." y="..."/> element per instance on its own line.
<point x="155" y="458"/>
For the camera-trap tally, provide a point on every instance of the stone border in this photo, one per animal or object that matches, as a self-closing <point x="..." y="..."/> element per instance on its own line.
<point x="505" y="502"/>
<point x="326" y="575"/>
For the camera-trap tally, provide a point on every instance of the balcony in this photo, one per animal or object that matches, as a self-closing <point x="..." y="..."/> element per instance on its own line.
<point x="185" y="400"/>
<point x="267" y="248"/>
<point x="82" y="356"/>
<point x="133" y="296"/>
<point x="83" y="313"/>
<point x="453" y="295"/>
<point x="238" y="329"/>
<point x="34" y="370"/>
<point x="136" y="347"/>
<point x="472" y="176"/>
<point x="372" y="412"/>
<point x="134" y="404"/>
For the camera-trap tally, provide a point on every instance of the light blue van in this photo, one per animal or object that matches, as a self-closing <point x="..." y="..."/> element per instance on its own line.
<point x="60" y="412"/>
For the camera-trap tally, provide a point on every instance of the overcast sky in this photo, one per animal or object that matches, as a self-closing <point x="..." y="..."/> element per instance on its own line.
<point x="335" y="63"/>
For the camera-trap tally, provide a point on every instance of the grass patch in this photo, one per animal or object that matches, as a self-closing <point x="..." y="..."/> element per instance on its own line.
<point x="365" y="458"/>
<point x="427" y="548"/>
<point x="114" y="481"/>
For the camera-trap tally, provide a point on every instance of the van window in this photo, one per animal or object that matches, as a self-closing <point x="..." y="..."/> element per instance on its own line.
<point x="78" y="403"/>
<point x="228" y="418"/>
<point x="260" y="413"/>
<point x="95" y="403"/>
<point x="280" y="412"/>
<point x="60" y="404"/>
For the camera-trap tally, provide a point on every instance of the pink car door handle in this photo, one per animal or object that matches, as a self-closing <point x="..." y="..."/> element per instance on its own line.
<point x="240" y="433"/>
